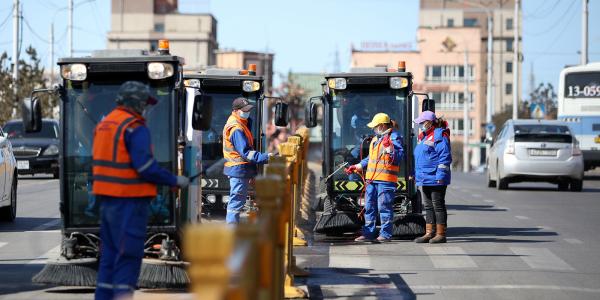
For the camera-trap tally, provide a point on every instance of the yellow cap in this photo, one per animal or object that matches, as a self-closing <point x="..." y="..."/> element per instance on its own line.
<point x="380" y="118"/>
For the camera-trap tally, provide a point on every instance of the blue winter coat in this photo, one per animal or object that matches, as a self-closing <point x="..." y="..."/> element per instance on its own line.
<point x="433" y="158"/>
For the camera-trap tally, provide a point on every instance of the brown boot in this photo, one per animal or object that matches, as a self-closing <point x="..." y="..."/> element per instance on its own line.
<point x="428" y="234"/>
<point x="440" y="234"/>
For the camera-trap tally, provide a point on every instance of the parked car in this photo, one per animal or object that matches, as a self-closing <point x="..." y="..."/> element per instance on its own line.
<point x="8" y="180"/>
<point x="35" y="152"/>
<point x="535" y="150"/>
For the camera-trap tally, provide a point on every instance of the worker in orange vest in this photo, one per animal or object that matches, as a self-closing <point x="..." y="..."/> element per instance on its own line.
<point x="125" y="175"/>
<point x="241" y="159"/>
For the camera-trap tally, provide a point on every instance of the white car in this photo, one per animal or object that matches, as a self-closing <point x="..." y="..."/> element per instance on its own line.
<point x="8" y="180"/>
<point x="536" y="150"/>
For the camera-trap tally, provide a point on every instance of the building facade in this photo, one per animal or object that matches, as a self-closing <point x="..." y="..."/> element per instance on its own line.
<point x="140" y="24"/>
<point x="231" y="59"/>
<point x="439" y="14"/>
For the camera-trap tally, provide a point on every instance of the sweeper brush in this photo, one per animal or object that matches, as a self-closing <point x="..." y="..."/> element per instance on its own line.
<point x="162" y="274"/>
<point x="72" y="272"/>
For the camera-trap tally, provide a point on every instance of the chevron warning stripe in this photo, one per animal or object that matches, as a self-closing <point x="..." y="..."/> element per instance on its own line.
<point x="351" y="186"/>
<point x="210" y="183"/>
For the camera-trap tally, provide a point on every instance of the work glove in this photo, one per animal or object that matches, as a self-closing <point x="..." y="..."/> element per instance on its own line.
<point x="182" y="181"/>
<point x="351" y="169"/>
<point x="271" y="154"/>
<point x="387" y="144"/>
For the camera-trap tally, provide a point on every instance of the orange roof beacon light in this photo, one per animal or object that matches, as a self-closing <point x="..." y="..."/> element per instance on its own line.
<point x="243" y="72"/>
<point x="252" y="69"/>
<point x="401" y="66"/>
<point x="163" y="46"/>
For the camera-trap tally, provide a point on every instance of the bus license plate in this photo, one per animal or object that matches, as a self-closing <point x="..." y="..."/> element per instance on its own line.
<point x="23" y="165"/>
<point x="542" y="152"/>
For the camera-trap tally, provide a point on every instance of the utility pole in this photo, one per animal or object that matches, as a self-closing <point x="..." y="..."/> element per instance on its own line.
<point x="490" y="93"/>
<point x="584" y="33"/>
<point x="51" y="54"/>
<point x="466" y="115"/>
<point x="16" y="37"/>
<point x="515" y="91"/>
<point x="70" y="28"/>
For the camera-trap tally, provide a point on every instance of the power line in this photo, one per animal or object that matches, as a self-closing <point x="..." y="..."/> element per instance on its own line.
<point x="537" y="14"/>
<point x="35" y="33"/>
<point x="561" y="18"/>
<point x="7" y="17"/>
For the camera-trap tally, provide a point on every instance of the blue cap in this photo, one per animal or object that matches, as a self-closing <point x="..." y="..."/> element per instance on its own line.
<point x="425" y="116"/>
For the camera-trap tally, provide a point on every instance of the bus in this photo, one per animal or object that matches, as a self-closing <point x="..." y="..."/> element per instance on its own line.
<point x="579" y="106"/>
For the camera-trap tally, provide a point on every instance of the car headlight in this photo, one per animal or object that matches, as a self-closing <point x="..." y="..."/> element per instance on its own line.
<point x="51" y="150"/>
<point x="397" y="83"/>
<point x="193" y="83"/>
<point x="337" y="83"/>
<point x="158" y="70"/>
<point x="76" y="72"/>
<point x="211" y="198"/>
<point x="250" y="86"/>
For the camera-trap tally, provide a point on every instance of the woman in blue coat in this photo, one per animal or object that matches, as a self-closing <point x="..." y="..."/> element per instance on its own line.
<point x="433" y="158"/>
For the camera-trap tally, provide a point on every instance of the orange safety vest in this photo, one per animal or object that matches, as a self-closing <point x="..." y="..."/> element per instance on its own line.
<point x="232" y="157"/>
<point x="380" y="166"/>
<point x="113" y="174"/>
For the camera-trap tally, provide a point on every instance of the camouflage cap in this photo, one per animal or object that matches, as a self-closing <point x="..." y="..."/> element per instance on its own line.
<point x="135" y="91"/>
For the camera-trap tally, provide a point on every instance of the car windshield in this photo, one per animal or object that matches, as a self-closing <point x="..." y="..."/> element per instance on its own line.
<point x="352" y="109"/>
<point x="541" y="128"/>
<point x="15" y="131"/>
<point x="84" y="105"/>
<point x="212" y="139"/>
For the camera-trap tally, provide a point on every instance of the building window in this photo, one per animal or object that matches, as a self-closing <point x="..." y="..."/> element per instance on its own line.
<point x="448" y="73"/>
<point x="153" y="46"/>
<point x="509" y="24"/>
<point x="451" y="101"/>
<point x="450" y="22"/>
<point x="159" y="27"/>
<point x="509" y="44"/>
<point x="508" y="89"/>
<point x="509" y="67"/>
<point x="470" y="22"/>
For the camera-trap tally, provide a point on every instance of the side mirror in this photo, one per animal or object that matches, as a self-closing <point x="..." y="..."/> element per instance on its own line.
<point x="428" y="104"/>
<point x="281" y="114"/>
<point x="490" y="140"/>
<point x="31" y="110"/>
<point x="202" y="112"/>
<point x="310" y="113"/>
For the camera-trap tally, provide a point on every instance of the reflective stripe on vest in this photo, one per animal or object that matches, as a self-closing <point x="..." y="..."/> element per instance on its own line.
<point x="112" y="171"/>
<point x="232" y="157"/>
<point x="380" y="166"/>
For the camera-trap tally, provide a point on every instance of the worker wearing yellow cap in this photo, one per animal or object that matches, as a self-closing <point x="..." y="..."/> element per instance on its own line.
<point x="380" y="171"/>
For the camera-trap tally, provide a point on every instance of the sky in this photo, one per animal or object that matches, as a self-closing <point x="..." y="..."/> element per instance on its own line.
<point x="306" y="35"/>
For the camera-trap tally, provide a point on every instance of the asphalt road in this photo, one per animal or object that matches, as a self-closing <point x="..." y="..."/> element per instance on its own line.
<point x="529" y="242"/>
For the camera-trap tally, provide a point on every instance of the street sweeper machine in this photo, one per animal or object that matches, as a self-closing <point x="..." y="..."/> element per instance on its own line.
<point x="220" y="87"/>
<point x="87" y="93"/>
<point x="349" y="101"/>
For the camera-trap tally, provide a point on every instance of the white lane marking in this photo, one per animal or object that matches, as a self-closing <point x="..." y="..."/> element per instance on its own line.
<point x="449" y="257"/>
<point x="354" y="256"/>
<point x="503" y="208"/>
<point x="541" y="259"/>
<point x="47" y="225"/>
<point x="522" y="217"/>
<point x="570" y="241"/>
<point x="545" y="228"/>
<point x="21" y="184"/>
<point x="52" y="253"/>
<point x="505" y="287"/>
<point x="488" y="201"/>
<point x="2" y="244"/>
<point x="476" y="195"/>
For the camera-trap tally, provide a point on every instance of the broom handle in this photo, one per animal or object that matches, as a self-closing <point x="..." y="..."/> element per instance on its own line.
<point x="337" y="170"/>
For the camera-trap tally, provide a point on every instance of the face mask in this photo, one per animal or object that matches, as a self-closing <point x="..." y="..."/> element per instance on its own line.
<point x="244" y="115"/>
<point x="379" y="132"/>
<point x="423" y="127"/>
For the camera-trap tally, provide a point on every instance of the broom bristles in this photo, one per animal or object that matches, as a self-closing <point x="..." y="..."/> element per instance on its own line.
<point x="76" y="272"/>
<point x="408" y="226"/>
<point x="338" y="223"/>
<point x="158" y="274"/>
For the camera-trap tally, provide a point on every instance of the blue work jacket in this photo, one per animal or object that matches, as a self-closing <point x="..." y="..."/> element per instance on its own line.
<point x="433" y="157"/>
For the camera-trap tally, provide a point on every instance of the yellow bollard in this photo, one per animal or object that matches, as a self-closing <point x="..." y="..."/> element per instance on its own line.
<point x="208" y="272"/>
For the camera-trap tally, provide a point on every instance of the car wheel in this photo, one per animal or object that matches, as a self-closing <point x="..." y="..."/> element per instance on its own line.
<point x="9" y="213"/>
<point x="576" y="185"/>
<point x="563" y="186"/>
<point x="502" y="184"/>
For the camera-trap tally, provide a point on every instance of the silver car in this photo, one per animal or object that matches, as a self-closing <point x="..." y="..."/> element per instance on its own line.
<point x="8" y="180"/>
<point x="535" y="150"/>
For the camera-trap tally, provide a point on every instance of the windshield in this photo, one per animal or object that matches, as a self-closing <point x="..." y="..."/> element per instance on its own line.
<point x="212" y="139"/>
<point x="352" y="109"/>
<point x="15" y="131"/>
<point x="84" y="105"/>
<point x="541" y="128"/>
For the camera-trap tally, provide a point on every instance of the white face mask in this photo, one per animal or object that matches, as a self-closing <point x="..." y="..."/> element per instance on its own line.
<point x="424" y="127"/>
<point x="244" y="115"/>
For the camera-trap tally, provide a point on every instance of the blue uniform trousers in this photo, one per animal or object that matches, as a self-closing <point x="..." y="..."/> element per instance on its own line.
<point x="122" y="234"/>
<point x="238" y="193"/>
<point x="379" y="197"/>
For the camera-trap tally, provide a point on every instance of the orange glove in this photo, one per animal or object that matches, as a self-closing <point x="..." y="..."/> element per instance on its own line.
<point x="387" y="142"/>
<point x="351" y="169"/>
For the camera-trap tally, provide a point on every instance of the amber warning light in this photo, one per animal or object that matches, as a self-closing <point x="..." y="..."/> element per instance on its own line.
<point x="252" y="69"/>
<point x="163" y="46"/>
<point x="401" y="66"/>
